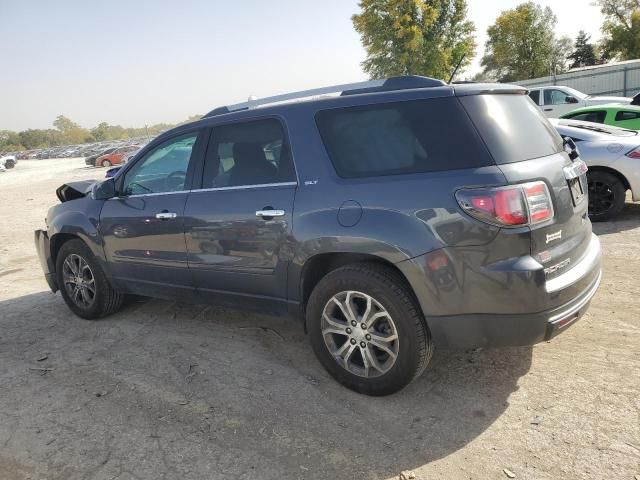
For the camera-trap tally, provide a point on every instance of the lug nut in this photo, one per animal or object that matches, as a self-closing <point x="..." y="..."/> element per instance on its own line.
<point x="363" y="326"/>
<point x="348" y="330"/>
<point x="353" y="323"/>
<point x="353" y="341"/>
<point x="362" y="344"/>
<point x="367" y="336"/>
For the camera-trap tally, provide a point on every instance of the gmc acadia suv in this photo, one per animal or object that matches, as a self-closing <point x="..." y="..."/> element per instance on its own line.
<point x="390" y="216"/>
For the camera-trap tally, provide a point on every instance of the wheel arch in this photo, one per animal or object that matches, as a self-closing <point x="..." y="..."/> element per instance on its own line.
<point x="612" y="171"/>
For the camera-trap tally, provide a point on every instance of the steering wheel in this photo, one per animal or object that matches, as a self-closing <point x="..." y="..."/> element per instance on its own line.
<point x="175" y="181"/>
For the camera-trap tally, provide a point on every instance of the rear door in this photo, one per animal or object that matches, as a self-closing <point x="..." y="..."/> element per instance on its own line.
<point x="238" y="223"/>
<point x="143" y="227"/>
<point x="531" y="150"/>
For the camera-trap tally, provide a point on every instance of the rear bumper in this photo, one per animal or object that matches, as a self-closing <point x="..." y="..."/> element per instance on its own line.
<point x="43" y="248"/>
<point x="519" y="307"/>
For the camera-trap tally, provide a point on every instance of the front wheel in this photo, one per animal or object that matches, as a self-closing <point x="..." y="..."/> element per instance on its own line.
<point x="606" y="196"/>
<point x="367" y="330"/>
<point x="83" y="285"/>
<point x="106" y="163"/>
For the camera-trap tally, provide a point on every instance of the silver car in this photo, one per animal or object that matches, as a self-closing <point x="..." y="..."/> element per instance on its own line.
<point x="613" y="157"/>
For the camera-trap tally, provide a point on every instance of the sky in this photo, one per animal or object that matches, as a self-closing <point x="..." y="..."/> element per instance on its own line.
<point x="141" y="62"/>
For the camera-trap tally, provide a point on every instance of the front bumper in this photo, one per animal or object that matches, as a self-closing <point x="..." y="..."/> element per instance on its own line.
<point x="43" y="248"/>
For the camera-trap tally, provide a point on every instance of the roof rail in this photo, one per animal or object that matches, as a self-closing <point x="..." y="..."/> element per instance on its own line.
<point x="372" y="86"/>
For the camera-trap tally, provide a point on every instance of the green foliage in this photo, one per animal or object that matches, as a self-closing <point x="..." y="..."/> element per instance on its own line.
<point x="68" y="132"/>
<point x="584" y="54"/>
<point x="522" y="45"/>
<point x="415" y="37"/>
<point x="621" y="29"/>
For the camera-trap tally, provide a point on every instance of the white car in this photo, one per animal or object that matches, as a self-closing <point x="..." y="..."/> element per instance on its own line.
<point x="557" y="100"/>
<point x="7" y="161"/>
<point x="613" y="157"/>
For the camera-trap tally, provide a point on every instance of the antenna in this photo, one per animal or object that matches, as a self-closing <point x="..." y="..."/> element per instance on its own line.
<point x="455" y="70"/>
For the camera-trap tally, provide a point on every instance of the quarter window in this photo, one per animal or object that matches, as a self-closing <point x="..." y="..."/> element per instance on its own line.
<point x="163" y="169"/>
<point x="248" y="153"/>
<point x="535" y="96"/>
<point x="621" y="116"/>
<point x="400" y="138"/>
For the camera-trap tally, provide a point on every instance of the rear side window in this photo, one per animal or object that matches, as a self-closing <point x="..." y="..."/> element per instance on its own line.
<point x="513" y="128"/>
<point x="400" y="138"/>
<point x="535" y="96"/>
<point x="595" y="117"/>
<point x="248" y="153"/>
<point x="627" y="116"/>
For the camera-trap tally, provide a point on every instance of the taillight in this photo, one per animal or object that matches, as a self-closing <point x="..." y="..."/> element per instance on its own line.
<point x="512" y="206"/>
<point x="635" y="153"/>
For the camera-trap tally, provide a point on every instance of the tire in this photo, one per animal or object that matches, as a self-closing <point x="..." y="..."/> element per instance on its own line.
<point x="106" y="163"/>
<point x="103" y="301"/>
<point x="399" y="312"/>
<point x="606" y="196"/>
<point x="10" y="164"/>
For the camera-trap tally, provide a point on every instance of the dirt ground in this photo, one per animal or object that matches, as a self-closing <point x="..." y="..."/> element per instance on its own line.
<point x="169" y="391"/>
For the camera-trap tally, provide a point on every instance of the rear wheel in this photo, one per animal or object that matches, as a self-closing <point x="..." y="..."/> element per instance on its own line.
<point x="106" y="163"/>
<point x="83" y="285"/>
<point x="367" y="329"/>
<point x="10" y="164"/>
<point x="606" y="195"/>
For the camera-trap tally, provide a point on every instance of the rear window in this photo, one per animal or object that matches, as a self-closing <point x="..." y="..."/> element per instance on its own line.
<point x="535" y="96"/>
<point x="513" y="127"/>
<point x="400" y="138"/>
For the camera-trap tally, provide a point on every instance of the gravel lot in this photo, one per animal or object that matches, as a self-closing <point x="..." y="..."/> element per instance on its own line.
<point x="169" y="391"/>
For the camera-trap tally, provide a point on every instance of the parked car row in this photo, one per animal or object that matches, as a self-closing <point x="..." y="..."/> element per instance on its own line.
<point x="90" y="150"/>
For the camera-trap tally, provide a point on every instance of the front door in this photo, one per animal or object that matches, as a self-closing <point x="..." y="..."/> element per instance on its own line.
<point x="238" y="224"/>
<point x="556" y="104"/>
<point x="143" y="228"/>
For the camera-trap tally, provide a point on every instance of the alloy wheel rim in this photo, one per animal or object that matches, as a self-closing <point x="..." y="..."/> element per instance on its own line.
<point x="601" y="197"/>
<point x="360" y="334"/>
<point x="79" y="281"/>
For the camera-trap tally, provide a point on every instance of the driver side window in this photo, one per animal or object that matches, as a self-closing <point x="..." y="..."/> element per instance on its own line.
<point x="554" y="97"/>
<point x="163" y="169"/>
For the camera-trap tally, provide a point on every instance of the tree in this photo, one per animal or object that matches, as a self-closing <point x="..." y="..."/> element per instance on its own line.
<point x="621" y="29"/>
<point x="36" y="138"/>
<point x="419" y="37"/>
<point x="64" y="124"/>
<point x="560" y="54"/>
<point x="521" y="44"/>
<point x="584" y="54"/>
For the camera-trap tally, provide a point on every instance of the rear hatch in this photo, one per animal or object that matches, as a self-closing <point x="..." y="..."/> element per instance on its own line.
<point x="527" y="148"/>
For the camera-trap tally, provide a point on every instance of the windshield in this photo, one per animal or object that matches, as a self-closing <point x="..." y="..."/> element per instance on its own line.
<point x="574" y="93"/>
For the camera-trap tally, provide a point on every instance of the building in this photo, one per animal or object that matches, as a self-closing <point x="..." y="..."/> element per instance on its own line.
<point x="621" y="79"/>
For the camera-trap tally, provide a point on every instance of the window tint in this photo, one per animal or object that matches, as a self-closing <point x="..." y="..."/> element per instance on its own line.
<point x="250" y="153"/>
<point x="621" y="116"/>
<point x="595" y="117"/>
<point x="163" y="169"/>
<point x="399" y="138"/>
<point x="554" y="97"/>
<point x="513" y="128"/>
<point x="535" y="96"/>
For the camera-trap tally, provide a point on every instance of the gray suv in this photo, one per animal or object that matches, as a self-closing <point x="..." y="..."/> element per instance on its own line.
<point x="390" y="217"/>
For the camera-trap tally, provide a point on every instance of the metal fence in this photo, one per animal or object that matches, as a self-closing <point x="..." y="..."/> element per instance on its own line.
<point x="618" y="79"/>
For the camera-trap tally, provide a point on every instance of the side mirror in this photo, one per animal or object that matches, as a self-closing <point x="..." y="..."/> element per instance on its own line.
<point x="571" y="99"/>
<point x="104" y="190"/>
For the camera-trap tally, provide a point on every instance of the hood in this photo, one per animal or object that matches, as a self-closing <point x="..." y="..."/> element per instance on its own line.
<point x="602" y="100"/>
<point x="73" y="190"/>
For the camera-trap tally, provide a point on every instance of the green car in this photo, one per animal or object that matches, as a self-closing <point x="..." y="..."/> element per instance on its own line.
<point x="625" y="116"/>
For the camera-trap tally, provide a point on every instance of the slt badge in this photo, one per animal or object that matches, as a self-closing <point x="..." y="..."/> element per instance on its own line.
<point x="554" y="236"/>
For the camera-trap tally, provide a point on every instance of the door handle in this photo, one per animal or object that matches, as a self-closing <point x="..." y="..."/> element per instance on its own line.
<point x="166" y="215"/>
<point x="270" y="213"/>
<point x="548" y="109"/>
